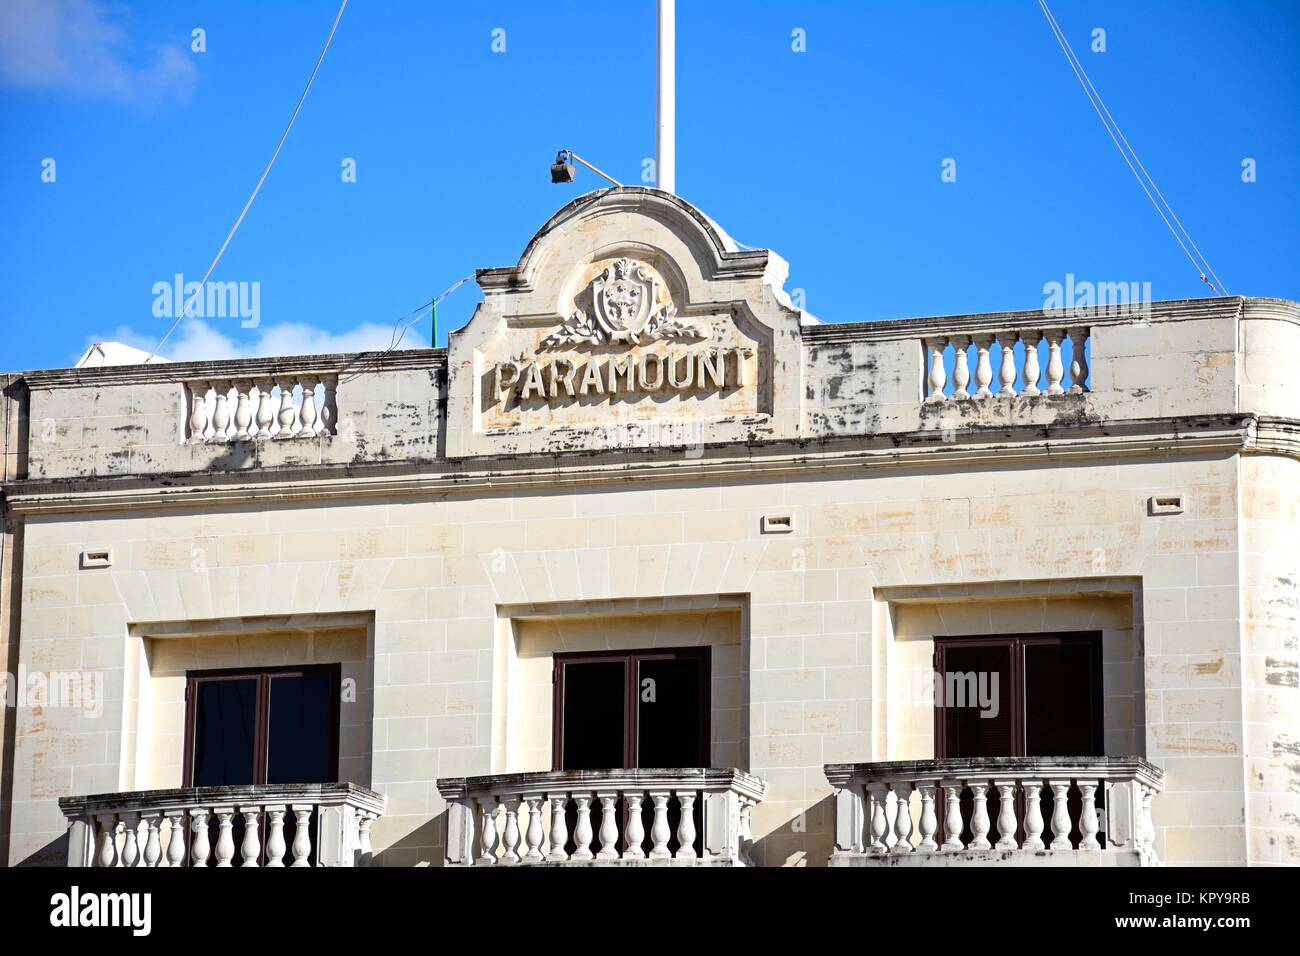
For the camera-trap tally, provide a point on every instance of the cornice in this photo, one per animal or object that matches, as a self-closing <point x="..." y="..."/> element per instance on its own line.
<point x="253" y="368"/>
<point x="1174" y="310"/>
<point x="1200" y="435"/>
<point x="1270" y="435"/>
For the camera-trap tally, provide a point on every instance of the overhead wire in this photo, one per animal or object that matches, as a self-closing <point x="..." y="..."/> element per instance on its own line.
<point x="256" y="189"/>
<point x="1199" y="262"/>
<point x="401" y="326"/>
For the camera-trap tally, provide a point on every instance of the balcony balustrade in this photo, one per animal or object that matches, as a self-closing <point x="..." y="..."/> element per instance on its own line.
<point x="670" y="817"/>
<point x="256" y="409"/>
<point x="984" y="364"/>
<point x="1050" y="811"/>
<point x="319" y="824"/>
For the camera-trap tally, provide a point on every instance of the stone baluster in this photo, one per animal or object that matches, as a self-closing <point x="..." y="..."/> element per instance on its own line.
<point x="1088" y="825"/>
<point x="220" y="414"/>
<point x="265" y="408"/>
<point x="686" y="825"/>
<point x="1078" y="360"/>
<point x="635" y="836"/>
<point x="106" y="857"/>
<point x="608" y="826"/>
<point x="660" y="833"/>
<point x="153" y="839"/>
<point x="367" y="850"/>
<point x="582" y="829"/>
<point x="983" y="366"/>
<point x="130" y="848"/>
<point x="937" y="378"/>
<point x="1007" y="370"/>
<point x="175" y="838"/>
<point x="199" y="848"/>
<point x="301" y="846"/>
<point x="979" y="818"/>
<point x="879" y="820"/>
<point x="250" y="848"/>
<point x="243" y="410"/>
<point x="902" y="818"/>
<point x="1033" y="815"/>
<point x="929" y="820"/>
<point x="511" y="835"/>
<point x="286" y="414"/>
<point x="559" y="829"/>
<point x="1060" y="814"/>
<point x="307" y="413"/>
<point x="329" y="413"/>
<point x="536" y="833"/>
<point x="275" y="845"/>
<point x="960" y="366"/>
<point x="952" y="822"/>
<point x="1006" y="814"/>
<point x="198" y="412"/>
<point x="488" y="834"/>
<point x="1055" y="368"/>
<point x="225" y="835"/>
<point x="1031" y="372"/>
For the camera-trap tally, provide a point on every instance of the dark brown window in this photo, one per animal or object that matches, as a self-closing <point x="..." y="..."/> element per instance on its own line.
<point x="1034" y="695"/>
<point x="265" y="725"/>
<point x="631" y="709"/>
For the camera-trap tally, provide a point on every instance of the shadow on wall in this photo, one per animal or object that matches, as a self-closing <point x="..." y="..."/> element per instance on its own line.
<point x="804" y="840"/>
<point x="421" y="847"/>
<point x="54" y="853"/>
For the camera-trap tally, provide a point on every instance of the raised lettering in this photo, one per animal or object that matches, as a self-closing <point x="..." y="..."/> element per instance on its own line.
<point x="532" y="376"/>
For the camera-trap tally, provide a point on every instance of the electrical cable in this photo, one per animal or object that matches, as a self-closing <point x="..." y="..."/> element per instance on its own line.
<point x="256" y="189"/>
<point x="1108" y="120"/>
<point x="396" y="339"/>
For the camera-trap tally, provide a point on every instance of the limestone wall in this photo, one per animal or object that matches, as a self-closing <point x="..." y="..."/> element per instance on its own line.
<point x="816" y="653"/>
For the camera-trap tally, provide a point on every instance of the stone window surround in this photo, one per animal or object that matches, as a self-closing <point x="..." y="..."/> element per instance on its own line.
<point x="1111" y="605"/>
<point x="511" y="747"/>
<point x="148" y="698"/>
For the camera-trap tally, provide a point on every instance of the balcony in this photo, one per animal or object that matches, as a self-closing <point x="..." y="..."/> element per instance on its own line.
<point x="1098" y="812"/>
<point x="646" y="817"/>
<point x="315" y="824"/>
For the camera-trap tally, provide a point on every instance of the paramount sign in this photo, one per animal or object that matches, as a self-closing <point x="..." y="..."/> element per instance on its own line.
<point x="710" y="369"/>
<point x="624" y="305"/>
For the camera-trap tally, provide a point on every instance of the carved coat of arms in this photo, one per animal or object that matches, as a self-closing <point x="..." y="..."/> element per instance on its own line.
<point x="621" y="309"/>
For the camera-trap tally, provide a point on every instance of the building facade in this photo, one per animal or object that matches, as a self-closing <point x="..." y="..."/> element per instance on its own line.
<point x="650" y="566"/>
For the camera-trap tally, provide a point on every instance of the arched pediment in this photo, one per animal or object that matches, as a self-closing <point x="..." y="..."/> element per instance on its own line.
<point x="629" y="311"/>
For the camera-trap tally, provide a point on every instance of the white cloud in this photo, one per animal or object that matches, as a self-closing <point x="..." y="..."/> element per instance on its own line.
<point x="78" y="46"/>
<point x="196" y="340"/>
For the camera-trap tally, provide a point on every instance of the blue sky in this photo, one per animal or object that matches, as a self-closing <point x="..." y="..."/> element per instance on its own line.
<point x="832" y="156"/>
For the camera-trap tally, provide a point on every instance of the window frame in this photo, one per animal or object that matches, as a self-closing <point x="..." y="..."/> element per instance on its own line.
<point x="261" y="712"/>
<point x="631" y="693"/>
<point x="1017" y="644"/>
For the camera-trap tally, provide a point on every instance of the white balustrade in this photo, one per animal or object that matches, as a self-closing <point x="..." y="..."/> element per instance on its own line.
<point x="1042" y="370"/>
<point x="191" y="826"/>
<point x="267" y="407"/>
<point x="991" y="810"/>
<point x="696" y="817"/>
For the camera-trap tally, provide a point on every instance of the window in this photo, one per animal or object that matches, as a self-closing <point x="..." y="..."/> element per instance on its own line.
<point x="1024" y="696"/>
<point x="632" y="709"/>
<point x="267" y="725"/>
